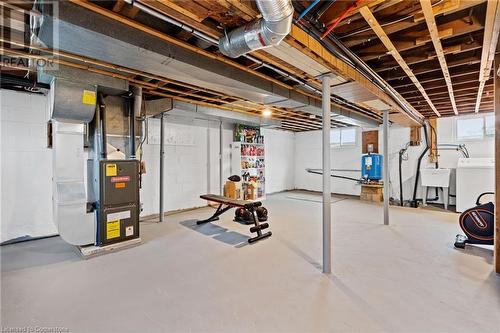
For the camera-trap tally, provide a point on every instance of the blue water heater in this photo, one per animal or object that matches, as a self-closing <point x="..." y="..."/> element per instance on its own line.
<point x="371" y="166"/>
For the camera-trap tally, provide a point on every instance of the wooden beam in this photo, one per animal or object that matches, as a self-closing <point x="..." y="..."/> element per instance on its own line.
<point x="442" y="90"/>
<point x="392" y="22"/>
<point x="455" y="75"/>
<point x="435" y="36"/>
<point x="309" y="46"/>
<point x="423" y="54"/>
<point x="372" y="21"/>
<point x="491" y="34"/>
<point x="410" y="40"/>
<point x="219" y="57"/>
<point x="433" y="153"/>
<point x="496" y="257"/>
<point x="424" y="68"/>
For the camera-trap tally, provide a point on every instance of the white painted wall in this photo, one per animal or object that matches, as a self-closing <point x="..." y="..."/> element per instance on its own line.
<point x="308" y="155"/>
<point x="280" y="158"/>
<point x="26" y="167"/>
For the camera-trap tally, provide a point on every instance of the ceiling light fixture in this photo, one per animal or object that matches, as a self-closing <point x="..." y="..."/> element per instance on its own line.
<point x="267" y="112"/>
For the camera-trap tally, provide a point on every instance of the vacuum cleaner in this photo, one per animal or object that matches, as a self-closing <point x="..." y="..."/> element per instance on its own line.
<point x="477" y="224"/>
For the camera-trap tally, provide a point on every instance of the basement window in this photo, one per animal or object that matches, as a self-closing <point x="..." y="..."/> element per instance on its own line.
<point x="475" y="128"/>
<point x="470" y="129"/>
<point x="489" y="125"/>
<point x="343" y="137"/>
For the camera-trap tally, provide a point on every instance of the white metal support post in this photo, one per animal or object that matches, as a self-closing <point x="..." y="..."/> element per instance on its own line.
<point x="385" y="166"/>
<point x="327" y="215"/>
<point x="221" y="147"/>
<point x="162" y="158"/>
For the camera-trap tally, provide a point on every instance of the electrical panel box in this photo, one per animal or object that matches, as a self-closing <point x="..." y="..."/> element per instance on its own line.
<point x="118" y="208"/>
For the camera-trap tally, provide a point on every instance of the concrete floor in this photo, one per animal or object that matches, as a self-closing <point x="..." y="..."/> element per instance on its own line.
<point x="406" y="277"/>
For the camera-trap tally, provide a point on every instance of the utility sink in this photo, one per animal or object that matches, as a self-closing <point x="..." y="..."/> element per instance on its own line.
<point x="435" y="177"/>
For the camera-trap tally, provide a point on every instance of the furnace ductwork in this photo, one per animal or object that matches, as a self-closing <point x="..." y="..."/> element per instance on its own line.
<point x="275" y="24"/>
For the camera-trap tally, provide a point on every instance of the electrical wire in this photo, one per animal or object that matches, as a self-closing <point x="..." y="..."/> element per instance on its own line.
<point x="311" y="6"/>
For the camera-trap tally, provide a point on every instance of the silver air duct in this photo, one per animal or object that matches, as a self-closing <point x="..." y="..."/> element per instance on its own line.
<point x="275" y="24"/>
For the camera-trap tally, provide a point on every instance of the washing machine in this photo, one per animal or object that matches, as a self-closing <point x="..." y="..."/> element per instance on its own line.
<point x="474" y="176"/>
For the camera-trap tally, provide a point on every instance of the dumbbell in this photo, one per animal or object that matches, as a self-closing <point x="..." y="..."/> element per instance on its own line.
<point x="259" y="227"/>
<point x="261" y="213"/>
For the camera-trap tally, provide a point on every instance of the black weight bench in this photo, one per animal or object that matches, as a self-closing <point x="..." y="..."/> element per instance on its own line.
<point x="226" y="204"/>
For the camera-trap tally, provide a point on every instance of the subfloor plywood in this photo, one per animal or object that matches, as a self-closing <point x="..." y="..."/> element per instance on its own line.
<point x="406" y="277"/>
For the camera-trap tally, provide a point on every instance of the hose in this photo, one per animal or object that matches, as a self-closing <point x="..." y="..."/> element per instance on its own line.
<point x="401" y="158"/>
<point x="414" y="199"/>
<point x="334" y="176"/>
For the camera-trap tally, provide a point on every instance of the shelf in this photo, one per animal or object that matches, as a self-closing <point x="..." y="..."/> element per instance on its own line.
<point x="253" y="156"/>
<point x="250" y="144"/>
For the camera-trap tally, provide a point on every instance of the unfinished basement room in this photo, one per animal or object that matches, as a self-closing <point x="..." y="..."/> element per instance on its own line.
<point x="250" y="166"/>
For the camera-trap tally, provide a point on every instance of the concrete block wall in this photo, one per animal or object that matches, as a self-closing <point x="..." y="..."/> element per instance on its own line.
<point x="191" y="163"/>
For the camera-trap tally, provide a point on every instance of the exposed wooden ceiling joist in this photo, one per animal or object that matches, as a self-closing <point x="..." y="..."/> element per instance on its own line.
<point x="372" y="21"/>
<point x="491" y="35"/>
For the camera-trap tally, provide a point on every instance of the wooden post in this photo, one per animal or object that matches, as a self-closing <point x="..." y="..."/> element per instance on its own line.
<point x="497" y="165"/>
<point x="433" y="155"/>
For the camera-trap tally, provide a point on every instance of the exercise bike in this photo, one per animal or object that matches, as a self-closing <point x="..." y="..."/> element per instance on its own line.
<point x="477" y="224"/>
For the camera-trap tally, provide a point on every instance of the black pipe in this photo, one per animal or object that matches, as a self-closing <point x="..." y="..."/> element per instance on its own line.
<point x="414" y="199"/>
<point x="102" y="120"/>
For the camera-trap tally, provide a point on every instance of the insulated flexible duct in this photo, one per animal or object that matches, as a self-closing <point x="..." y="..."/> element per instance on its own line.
<point x="275" y="24"/>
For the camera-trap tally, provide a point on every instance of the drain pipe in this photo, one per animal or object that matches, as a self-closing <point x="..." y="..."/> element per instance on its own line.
<point x="136" y="111"/>
<point x="427" y="146"/>
<point x="102" y="123"/>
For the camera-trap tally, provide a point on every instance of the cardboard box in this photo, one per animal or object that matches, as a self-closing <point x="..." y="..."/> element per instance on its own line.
<point x="232" y="189"/>
<point x="374" y="193"/>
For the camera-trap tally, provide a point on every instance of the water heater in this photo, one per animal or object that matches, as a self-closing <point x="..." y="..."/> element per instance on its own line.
<point x="371" y="166"/>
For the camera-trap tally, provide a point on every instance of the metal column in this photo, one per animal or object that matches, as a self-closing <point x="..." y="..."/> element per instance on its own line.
<point x="327" y="215"/>
<point x="134" y="111"/>
<point x="386" y="166"/>
<point x="221" y="147"/>
<point x="162" y="156"/>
